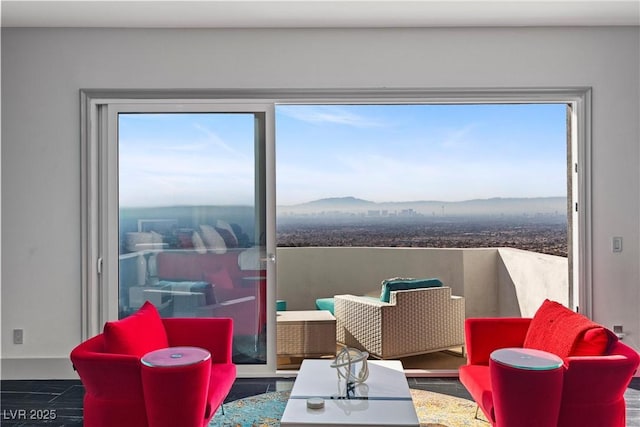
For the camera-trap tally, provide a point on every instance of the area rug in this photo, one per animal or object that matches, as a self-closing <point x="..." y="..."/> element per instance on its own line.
<point x="265" y="410"/>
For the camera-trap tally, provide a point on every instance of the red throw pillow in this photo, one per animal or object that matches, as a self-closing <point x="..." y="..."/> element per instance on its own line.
<point x="137" y="334"/>
<point x="594" y="342"/>
<point x="558" y="330"/>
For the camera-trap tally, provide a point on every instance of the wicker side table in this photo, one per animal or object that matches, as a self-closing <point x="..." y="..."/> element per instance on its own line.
<point x="305" y="333"/>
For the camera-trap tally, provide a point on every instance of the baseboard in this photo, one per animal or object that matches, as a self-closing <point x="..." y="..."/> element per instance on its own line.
<point x="37" y="369"/>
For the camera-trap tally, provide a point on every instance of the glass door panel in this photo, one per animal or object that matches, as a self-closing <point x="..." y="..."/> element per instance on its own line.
<point x="192" y="220"/>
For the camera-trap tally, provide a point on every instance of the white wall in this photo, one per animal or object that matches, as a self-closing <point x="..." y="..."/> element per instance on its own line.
<point x="43" y="69"/>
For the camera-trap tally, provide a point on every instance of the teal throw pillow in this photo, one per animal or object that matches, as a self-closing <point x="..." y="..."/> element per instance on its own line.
<point x="325" y="304"/>
<point x="400" y="284"/>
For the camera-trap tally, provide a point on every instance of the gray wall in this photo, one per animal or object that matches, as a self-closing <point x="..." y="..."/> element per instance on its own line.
<point x="43" y="69"/>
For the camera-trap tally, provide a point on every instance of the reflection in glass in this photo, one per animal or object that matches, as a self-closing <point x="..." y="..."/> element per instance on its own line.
<point x="190" y="229"/>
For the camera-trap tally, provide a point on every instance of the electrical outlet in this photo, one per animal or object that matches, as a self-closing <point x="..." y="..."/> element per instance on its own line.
<point x="619" y="331"/>
<point x="18" y="336"/>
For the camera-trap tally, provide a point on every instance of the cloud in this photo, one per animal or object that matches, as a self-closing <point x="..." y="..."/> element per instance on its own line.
<point x="185" y="175"/>
<point x="457" y="138"/>
<point x="328" y="114"/>
<point x="214" y="139"/>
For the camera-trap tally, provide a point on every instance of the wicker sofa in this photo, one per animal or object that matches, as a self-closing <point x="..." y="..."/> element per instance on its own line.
<point x="413" y="322"/>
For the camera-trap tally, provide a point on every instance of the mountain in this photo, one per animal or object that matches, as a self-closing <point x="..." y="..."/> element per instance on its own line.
<point x="492" y="206"/>
<point x="348" y="202"/>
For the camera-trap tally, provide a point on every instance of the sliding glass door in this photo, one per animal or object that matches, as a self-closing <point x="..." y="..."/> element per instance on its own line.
<point x="186" y="192"/>
<point x="179" y="204"/>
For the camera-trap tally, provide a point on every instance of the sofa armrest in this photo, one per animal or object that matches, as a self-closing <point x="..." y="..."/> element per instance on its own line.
<point x="106" y="375"/>
<point x="212" y="334"/>
<point x="484" y="335"/>
<point x="586" y="373"/>
<point x="359" y="321"/>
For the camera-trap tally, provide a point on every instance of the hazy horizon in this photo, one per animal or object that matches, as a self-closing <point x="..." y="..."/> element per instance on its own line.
<point x="341" y="198"/>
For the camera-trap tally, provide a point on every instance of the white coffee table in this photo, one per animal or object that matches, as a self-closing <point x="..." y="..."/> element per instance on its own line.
<point x="383" y="400"/>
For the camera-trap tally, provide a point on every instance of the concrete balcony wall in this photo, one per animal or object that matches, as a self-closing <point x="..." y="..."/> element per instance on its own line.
<point x="305" y="274"/>
<point x="480" y="282"/>
<point x="494" y="282"/>
<point x="526" y="278"/>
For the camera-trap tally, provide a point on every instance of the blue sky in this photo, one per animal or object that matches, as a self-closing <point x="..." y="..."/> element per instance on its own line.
<point x="374" y="152"/>
<point x="186" y="159"/>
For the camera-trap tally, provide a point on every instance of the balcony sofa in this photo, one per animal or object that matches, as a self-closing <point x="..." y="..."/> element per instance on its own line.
<point x="595" y="373"/>
<point x="414" y="320"/>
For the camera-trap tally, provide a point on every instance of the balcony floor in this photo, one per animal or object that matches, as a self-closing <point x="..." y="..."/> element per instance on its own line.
<point x="441" y="360"/>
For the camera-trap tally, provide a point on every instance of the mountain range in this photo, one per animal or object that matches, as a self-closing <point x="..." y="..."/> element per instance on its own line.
<point x="492" y="206"/>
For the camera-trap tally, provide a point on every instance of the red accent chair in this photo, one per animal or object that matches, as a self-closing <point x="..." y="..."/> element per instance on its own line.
<point x="596" y="372"/>
<point x="109" y="366"/>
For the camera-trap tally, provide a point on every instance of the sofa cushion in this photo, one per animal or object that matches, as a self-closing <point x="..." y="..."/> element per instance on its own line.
<point x="230" y="234"/>
<point x="558" y="330"/>
<point x="595" y="342"/>
<point x="212" y="239"/>
<point x="184" y="239"/>
<point x="400" y="284"/>
<point x="229" y="239"/>
<point x="198" y="243"/>
<point x="325" y="304"/>
<point x="137" y="334"/>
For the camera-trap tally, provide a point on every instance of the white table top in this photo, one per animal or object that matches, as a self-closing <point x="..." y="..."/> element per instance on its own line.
<point x="527" y="358"/>
<point x="383" y="400"/>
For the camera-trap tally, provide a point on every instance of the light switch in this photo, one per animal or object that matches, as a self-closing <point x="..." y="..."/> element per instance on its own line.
<point x="616" y="244"/>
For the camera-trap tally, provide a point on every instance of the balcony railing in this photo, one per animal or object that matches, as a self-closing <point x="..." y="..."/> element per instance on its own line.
<point x="494" y="281"/>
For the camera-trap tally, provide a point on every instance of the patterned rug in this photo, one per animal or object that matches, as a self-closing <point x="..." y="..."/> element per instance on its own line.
<point x="265" y="410"/>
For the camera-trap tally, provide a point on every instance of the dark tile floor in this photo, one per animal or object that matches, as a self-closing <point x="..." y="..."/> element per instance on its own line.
<point x="58" y="403"/>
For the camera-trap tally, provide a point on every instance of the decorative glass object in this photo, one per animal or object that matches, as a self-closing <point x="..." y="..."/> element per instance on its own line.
<point x="351" y="365"/>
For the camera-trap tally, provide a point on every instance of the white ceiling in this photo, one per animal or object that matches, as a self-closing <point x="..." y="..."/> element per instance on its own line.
<point x="316" y="13"/>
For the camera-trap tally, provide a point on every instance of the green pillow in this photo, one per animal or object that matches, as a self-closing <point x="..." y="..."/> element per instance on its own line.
<point x="399" y="284"/>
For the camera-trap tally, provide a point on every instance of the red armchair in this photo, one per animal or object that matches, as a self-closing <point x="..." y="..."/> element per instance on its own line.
<point x="109" y="366"/>
<point x="592" y="385"/>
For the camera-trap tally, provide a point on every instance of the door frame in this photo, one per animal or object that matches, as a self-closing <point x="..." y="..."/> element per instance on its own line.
<point x="92" y="128"/>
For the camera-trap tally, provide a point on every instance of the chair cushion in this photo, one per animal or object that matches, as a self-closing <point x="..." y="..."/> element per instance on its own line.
<point x="400" y="284"/>
<point x="325" y="304"/>
<point x="137" y="334"/>
<point x="558" y="330"/>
